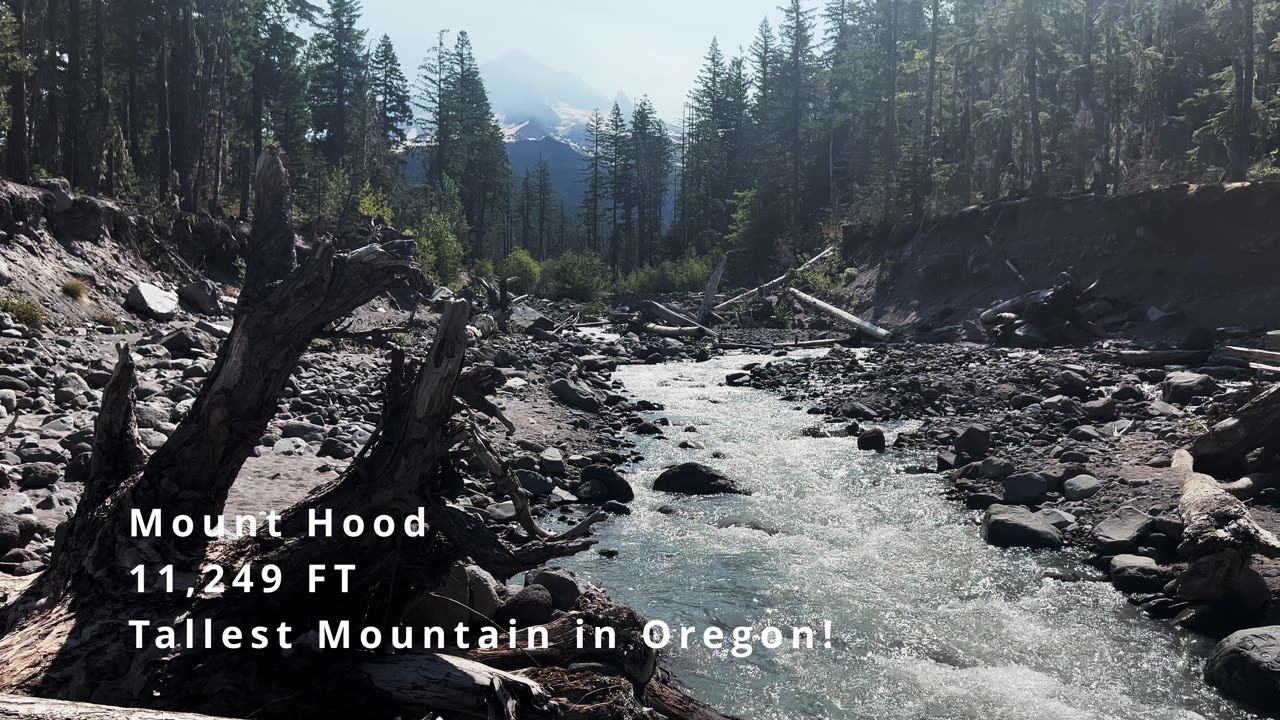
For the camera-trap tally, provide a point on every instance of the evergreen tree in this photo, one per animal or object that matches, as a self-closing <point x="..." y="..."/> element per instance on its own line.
<point x="336" y="65"/>
<point x="594" y="182"/>
<point x="390" y="92"/>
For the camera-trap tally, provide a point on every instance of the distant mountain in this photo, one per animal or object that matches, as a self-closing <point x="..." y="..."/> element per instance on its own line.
<point x="543" y="113"/>
<point x="532" y="99"/>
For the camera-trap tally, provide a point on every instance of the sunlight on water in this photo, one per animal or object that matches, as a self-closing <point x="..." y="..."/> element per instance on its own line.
<point x="928" y="621"/>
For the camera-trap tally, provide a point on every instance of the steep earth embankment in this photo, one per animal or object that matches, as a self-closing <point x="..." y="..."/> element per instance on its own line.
<point x="1206" y="251"/>
<point x="49" y="237"/>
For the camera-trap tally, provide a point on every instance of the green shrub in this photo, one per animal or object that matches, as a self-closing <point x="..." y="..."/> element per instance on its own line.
<point x="24" y="310"/>
<point x="440" y="253"/>
<point x="375" y="204"/>
<point x="574" y="277"/>
<point x="118" y="326"/>
<point x="75" y="289"/>
<point x="520" y="264"/>
<point x="482" y="268"/>
<point x="687" y="274"/>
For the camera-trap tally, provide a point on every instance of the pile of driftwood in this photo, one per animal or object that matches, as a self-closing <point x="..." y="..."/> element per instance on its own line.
<point x="667" y="321"/>
<point x="1040" y="318"/>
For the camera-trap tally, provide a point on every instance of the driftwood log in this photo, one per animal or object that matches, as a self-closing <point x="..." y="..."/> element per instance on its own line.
<point x="677" y="318"/>
<point x="872" y="330"/>
<point x="759" y="290"/>
<point x="65" y="636"/>
<point x="1160" y="358"/>
<point x="1227" y="445"/>
<point x="1219" y="537"/>
<point x="672" y="331"/>
<point x="21" y="707"/>
<point x="709" y="295"/>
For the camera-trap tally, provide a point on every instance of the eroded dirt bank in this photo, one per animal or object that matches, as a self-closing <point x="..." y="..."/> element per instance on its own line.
<point x="1206" y="251"/>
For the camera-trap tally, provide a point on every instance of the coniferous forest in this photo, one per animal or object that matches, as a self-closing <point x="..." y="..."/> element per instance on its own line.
<point x="851" y="109"/>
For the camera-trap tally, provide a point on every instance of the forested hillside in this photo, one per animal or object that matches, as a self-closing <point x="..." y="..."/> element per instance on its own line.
<point x="854" y="109"/>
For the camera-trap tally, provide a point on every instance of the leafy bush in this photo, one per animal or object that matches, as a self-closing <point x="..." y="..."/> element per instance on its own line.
<point x="75" y="289"/>
<point x="24" y="310"/>
<point x="375" y="204"/>
<point x="336" y="196"/>
<point x="109" y="320"/>
<point x="482" y="268"/>
<point x="520" y="264"/>
<point x="688" y="274"/>
<point x="439" y="251"/>
<point x="574" y="277"/>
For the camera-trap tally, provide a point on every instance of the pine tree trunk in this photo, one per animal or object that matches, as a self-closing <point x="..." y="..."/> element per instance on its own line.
<point x="890" y="149"/>
<point x="164" y="127"/>
<point x="71" y="160"/>
<point x="1032" y="11"/>
<point x="924" y="184"/>
<point x="1242" y="133"/>
<point x="18" y="158"/>
<point x="133" y="132"/>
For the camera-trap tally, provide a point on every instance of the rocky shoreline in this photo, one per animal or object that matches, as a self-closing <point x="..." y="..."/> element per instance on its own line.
<point x="1063" y="448"/>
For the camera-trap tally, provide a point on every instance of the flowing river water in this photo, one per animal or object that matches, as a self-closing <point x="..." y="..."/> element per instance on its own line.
<point x="927" y="620"/>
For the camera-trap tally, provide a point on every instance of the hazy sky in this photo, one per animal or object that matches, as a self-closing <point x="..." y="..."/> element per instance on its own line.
<point x="636" y="46"/>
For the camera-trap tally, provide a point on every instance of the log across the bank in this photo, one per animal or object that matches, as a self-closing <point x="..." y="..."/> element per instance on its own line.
<point x="21" y="707"/>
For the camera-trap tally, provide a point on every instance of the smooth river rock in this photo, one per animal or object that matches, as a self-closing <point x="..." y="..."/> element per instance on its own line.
<point x="695" y="479"/>
<point x="1246" y="666"/>
<point x="1016" y="526"/>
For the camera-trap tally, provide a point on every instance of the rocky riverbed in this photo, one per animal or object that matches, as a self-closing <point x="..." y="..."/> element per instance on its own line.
<point x="1048" y="448"/>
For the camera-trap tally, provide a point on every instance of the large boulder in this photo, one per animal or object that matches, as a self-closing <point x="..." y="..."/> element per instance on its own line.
<point x="1139" y="574"/>
<point x="1016" y="526"/>
<point x="523" y="319"/>
<point x="531" y="606"/>
<point x="602" y="483"/>
<point x="975" y="441"/>
<point x="10" y="532"/>
<point x="533" y="482"/>
<point x="1081" y="487"/>
<point x="1182" y="387"/>
<point x="575" y="396"/>
<point x="695" y="479"/>
<point x="872" y="439"/>
<point x="203" y="296"/>
<point x="1025" y="488"/>
<point x="1245" y="666"/>
<point x="188" y="342"/>
<point x="465" y="586"/>
<point x="562" y="585"/>
<point x="1122" y="530"/>
<point x="149" y="300"/>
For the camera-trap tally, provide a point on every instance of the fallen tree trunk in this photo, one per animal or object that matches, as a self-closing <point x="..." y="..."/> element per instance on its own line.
<point x="1263" y="356"/>
<point x="709" y="296"/>
<point x="673" y="332"/>
<point x="1219" y="536"/>
<point x="801" y="344"/>
<point x="876" y="332"/>
<point x="450" y="684"/>
<point x="1226" y="446"/>
<point x="774" y="282"/>
<point x="1160" y="358"/>
<point x="21" y="707"/>
<point x="676" y="317"/>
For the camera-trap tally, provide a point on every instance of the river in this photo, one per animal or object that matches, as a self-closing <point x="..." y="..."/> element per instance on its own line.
<point x="927" y="620"/>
